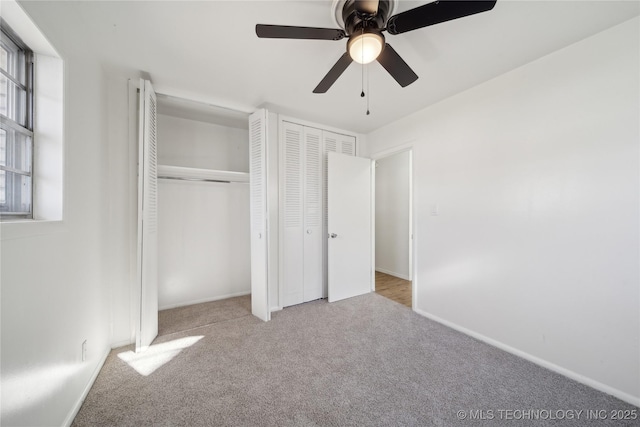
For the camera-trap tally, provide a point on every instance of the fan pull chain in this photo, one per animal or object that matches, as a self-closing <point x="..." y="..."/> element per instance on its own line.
<point x="362" y="69"/>
<point x="362" y="77"/>
<point x="362" y="83"/>
<point x="368" y="91"/>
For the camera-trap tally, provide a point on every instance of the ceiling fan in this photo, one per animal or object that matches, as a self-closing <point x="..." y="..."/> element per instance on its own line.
<point x="364" y="21"/>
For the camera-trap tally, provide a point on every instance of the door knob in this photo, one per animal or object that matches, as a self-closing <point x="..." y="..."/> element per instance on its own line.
<point x="333" y="235"/>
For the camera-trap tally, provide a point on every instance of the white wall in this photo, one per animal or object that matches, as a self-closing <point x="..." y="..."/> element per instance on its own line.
<point x="196" y="144"/>
<point x="535" y="175"/>
<point x="203" y="235"/>
<point x="55" y="293"/>
<point x="392" y="215"/>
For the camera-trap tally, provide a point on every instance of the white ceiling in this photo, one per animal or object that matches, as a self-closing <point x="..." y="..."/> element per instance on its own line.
<point x="208" y="51"/>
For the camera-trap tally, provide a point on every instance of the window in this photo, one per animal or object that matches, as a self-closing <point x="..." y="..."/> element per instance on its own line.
<point x="16" y="126"/>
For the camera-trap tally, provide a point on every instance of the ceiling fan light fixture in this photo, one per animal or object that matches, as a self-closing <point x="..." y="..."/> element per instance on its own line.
<point x="365" y="47"/>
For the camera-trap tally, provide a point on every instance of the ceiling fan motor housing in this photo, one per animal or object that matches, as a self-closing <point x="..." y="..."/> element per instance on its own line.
<point x="354" y="22"/>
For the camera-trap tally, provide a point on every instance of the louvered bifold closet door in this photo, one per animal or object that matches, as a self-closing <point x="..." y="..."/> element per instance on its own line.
<point x="331" y="143"/>
<point x="313" y="241"/>
<point x="292" y="162"/>
<point x="258" y="214"/>
<point x="147" y="265"/>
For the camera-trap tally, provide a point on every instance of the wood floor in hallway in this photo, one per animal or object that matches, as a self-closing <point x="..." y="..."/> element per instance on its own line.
<point x="394" y="288"/>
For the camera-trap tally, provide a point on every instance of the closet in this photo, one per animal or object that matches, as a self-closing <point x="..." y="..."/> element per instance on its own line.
<point x="242" y="205"/>
<point x="303" y="208"/>
<point x="289" y="208"/>
<point x="203" y="203"/>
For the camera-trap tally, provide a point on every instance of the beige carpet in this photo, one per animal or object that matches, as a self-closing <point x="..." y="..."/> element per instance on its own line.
<point x="193" y="316"/>
<point x="365" y="361"/>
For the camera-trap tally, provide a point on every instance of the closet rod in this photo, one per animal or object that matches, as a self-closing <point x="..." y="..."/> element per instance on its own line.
<point x="196" y="179"/>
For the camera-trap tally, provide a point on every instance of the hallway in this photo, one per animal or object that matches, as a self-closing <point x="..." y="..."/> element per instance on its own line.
<point x="394" y="288"/>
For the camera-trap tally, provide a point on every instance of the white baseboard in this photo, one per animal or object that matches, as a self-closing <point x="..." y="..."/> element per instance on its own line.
<point x="393" y="273"/>
<point x="200" y="301"/>
<point x="274" y="309"/>
<point x="121" y="344"/>
<point x="85" y="392"/>
<point x="633" y="400"/>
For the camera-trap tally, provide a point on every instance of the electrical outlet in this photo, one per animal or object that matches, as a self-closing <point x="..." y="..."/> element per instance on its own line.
<point x="84" y="350"/>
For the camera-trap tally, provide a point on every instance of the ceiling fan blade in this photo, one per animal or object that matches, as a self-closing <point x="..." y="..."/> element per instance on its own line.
<point x="435" y="13"/>
<point x="333" y="74"/>
<point x="395" y="65"/>
<point x="367" y="7"/>
<point x="288" y="32"/>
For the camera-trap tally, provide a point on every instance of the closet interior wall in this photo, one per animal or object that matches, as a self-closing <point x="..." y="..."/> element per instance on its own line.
<point x="204" y="248"/>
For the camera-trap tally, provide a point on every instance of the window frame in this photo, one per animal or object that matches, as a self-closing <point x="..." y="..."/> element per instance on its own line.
<point x="10" y="125"/>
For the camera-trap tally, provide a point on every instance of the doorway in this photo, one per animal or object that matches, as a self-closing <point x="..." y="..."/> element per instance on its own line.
<point x="393" y="227"/>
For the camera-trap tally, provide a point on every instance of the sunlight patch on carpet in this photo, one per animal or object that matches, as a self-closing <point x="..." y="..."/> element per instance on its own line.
<point x="156" y="355"/>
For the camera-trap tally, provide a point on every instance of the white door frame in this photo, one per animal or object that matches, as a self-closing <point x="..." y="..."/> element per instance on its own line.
<point x="412" y="229"/>
<point x="135" y="296"/>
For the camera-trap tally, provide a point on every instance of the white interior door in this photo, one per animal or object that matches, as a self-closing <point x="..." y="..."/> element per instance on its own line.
<point x="350" y="269"/>
<point x="313" y="261"/>
<point x="302" y="214"/>
<point x="332" y="143"/>
<point x="147" y="321"/>
<point x="258" y="214"/>
<point x="291" y="157"/>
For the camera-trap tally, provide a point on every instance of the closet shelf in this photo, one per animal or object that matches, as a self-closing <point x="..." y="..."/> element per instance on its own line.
<point x="195" y="174"/>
